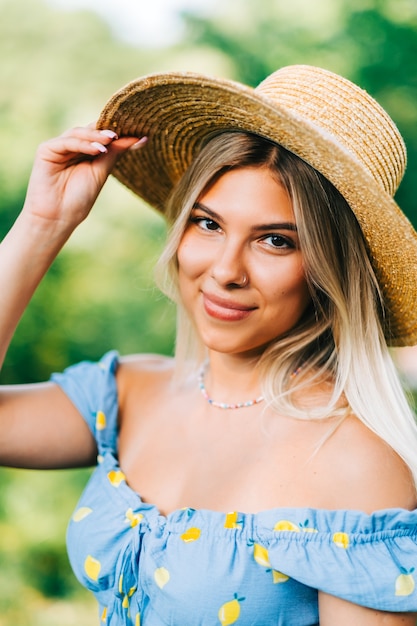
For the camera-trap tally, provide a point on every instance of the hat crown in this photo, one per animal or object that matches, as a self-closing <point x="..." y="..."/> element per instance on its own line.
<point x="347" y="113"/>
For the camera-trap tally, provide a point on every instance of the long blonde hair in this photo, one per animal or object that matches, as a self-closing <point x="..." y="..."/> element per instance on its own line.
<point x="340" y="337"/>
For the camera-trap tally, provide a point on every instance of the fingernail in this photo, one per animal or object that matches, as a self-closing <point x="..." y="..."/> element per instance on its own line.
<point x="139" y="143"/>
<point x="99" y="146"/>
<point x="109" y="133"/>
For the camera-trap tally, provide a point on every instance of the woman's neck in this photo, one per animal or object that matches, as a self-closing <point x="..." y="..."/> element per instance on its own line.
<point x="231" y="379"/>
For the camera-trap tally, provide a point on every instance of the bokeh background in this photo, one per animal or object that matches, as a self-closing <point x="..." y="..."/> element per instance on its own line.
<point x="60" y="61"/>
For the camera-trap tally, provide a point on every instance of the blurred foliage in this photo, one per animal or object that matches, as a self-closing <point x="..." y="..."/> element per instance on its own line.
<point x="36" y="582"/>
<point x="58" y="69"/>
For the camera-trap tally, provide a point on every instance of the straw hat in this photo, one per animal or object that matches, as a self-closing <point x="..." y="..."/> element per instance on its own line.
<point x="323" y="118"/>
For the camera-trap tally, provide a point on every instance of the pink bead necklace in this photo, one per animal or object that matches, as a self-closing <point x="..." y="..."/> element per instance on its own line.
<point x="225" y="405"/>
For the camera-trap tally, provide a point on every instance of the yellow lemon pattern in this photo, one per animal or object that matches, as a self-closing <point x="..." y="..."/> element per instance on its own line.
<point x="261" y="556"/>
<point x="133" y="518"/>
<point x="161" y="576"/>
<point x="192" y="534"/>
<point x="104" y="614"/>
<point x="278" y="577"/>
<point x="92" y="567"/>
<point x="405" y="584"/>
<point x="137" y="620"/>
<point x="229" y="612"/>
<point x="285" y="525"/>
<point x="232" y="520"/>
<point x="116" y="477"/>
<point x="101" y="421"/>
<point x="125" y="596"/>
<point x="81" y="513"/>
<point x="341" y="540"/>
<point x="306" y="528"/>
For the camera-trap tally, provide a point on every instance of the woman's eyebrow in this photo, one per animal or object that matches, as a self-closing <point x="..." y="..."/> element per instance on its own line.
<point x="258" y="227"/>
<point x="204" y="208"/>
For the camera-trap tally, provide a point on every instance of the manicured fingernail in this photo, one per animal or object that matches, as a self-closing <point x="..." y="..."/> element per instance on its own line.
<point x="139" y="143"/>
<point x="99" y="146"/>
<point x="109" y="133"/>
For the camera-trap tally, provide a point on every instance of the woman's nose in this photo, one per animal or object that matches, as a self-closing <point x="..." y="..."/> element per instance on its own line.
<point x="229" y="267"/>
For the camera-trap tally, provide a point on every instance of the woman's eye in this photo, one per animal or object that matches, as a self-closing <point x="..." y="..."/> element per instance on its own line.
<point x="278" y="241"/>
<point x="205" y="223"/>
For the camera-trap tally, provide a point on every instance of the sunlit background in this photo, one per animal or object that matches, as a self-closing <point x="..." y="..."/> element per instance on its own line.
<point x="60" y="61"/>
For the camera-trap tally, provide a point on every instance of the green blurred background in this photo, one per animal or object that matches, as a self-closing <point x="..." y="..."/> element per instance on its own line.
<point x="58" y="67"/>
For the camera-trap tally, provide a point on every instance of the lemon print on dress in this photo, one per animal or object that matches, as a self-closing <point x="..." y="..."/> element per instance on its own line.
<point x="161" y="576"/>
<point x="133" y="518"/>
<point x="232" y="521"/>
<point x="116" y="477"/>
<point x="92" y="567"/>
<point x="81" y="513"/>
<point x="104" y="614"/>
<point x="101" y="421"/>
<point x="129" y="595"/>
<point x="306" y="528"/>
<point x="192" y="534"/>
<point x="341" y="540"/>
<point x="261" y="556"/>
<point x="279" y="577"/>
<point x="126" y="596"/>
<point x="404" y="584"/>
<point x="284" y="524"/>
<point x="229" y="612"/>
<point x="137" y="620"/>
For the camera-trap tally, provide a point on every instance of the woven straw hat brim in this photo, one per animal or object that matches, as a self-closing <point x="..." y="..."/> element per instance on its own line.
<point x="179" y="111"/>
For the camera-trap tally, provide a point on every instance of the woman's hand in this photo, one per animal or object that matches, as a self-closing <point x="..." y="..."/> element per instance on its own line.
<point x="68" y="174"/>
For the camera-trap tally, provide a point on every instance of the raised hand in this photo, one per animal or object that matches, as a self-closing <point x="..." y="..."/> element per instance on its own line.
<point x="69" y="172"/>
<point x="67" y="177"/>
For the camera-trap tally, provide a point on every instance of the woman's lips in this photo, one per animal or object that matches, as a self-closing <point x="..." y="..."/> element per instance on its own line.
<point x="228" y="310"/>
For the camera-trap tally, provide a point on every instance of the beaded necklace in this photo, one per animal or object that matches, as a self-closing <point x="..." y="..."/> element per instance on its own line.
<point x="237" y="405"/>
<point x="223" y="405"/>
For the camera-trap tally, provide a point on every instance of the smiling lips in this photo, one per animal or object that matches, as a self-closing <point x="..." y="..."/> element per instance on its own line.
<point x="227" y="310"/>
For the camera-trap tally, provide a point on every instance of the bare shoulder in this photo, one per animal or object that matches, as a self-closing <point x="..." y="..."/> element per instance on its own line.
<point x="146" y="363"/>
<point x="370" y="475"/>
<point x="142" y="374"/>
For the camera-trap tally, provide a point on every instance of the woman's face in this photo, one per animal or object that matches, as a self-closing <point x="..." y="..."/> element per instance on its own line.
<point x="241" y="275"/>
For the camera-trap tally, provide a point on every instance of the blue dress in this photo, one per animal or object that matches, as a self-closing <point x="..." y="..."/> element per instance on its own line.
<point x="205" y="568"/>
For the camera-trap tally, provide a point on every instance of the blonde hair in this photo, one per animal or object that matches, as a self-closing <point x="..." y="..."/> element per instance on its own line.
<point x="340" y="338"/>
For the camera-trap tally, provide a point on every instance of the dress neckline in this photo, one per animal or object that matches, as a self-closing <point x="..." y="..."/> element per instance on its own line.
<point x="306" y="517"/>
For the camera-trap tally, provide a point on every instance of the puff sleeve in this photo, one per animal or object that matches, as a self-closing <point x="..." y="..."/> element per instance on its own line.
<point x="369" y="560"/>
<point x="92" y="389"/>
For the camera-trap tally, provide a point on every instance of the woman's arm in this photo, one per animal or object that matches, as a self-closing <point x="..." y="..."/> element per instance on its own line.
<point x="367" y="475"/>
<point x="40" y="428"/>
<point x="334" y="611"/>
<point x="38" y="425"/>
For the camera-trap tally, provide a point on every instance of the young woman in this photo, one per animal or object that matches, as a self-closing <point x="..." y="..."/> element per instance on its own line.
<point x="267" y="474"/>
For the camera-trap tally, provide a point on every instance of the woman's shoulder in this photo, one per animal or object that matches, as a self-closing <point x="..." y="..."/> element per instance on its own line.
<point x="145" y="364"/>
<point x="366" y="472"/>
<point x="143" y="374"/>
